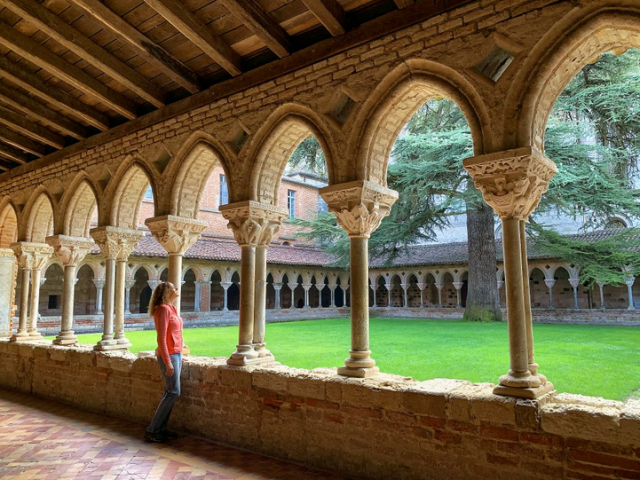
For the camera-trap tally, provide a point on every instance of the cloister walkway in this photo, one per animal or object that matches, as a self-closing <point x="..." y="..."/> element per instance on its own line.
<point x="43" y="440"/>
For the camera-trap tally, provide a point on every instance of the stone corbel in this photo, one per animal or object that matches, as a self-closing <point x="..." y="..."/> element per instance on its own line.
<point x="175" y="234"/>
<point x="116" y="243"/>
<point x="359" y="206"/>
<point x="253" y="223"/>
<point x="33" y="256"/>
<point x="69" y="250"/>
<point x="512" y="182"/>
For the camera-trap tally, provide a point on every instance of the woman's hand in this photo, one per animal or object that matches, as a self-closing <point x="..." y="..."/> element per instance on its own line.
<point x="169" y="370"/>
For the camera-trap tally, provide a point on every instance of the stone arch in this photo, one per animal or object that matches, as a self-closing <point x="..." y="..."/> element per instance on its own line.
<point x="276" y="141"/>
<point x="191" y="169"/>
<point x="573" y="42"/>
<point x="150" y="272"/>
<point x="78" y="207"/>
<point x="393" y="103"/>
<point x="38" y="217"/>
<point x="8" y="224"/>
<point x="128" y="188"/>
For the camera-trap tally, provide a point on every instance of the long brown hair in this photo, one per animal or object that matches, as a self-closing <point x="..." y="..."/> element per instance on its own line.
<point x="160" y="296"/>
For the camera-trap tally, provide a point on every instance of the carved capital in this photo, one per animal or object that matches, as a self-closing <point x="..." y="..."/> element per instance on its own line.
<point x="7" y="252"/>
<point x="253" y="223"/>
<point x="99" y="282"/>
<point x="69" y="250"/>
<point x="512" y="182"/>
<point x="359" y="206"/>
<point x="176" y="234"/>
<point x="116" y="243"/>
<point x="33" y="256"/>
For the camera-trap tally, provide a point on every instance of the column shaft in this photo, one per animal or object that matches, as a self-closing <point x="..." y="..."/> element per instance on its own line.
<point x="121" y="271"/>
<point x="533" y="366"/>
<point x="36" y="274"/>
<point x="244" y="350"/>
<point x="259" y="319"/>
<point x="109" y="288"/>
<point x="175" y="274"/>
<point x="23" y="317"/>
<point x="99" y="293"/>
<point x="67" y="336"/>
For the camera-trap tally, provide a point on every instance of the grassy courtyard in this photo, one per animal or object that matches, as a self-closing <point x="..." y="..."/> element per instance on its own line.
<point x="590" y="360"/>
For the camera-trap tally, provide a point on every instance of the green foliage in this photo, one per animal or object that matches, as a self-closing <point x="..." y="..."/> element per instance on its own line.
<point x="309" y="156"/>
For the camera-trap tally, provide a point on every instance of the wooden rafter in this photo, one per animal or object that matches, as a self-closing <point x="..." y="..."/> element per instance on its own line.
<point x="404" y="3"/>
<point x="261" y="24"/>
<point x="82" y="46"/>
<point x="13" y="154"/>
<point x="18" y="75"/>
<point x="330" y="14"/>
<point x="30" y="129"/>
<point x="152" y="53"/>
<point x="177" y="14"/>
<point x="46" y="59"/>
<point x="22" y="142"/>
<point x="45" y="115"/>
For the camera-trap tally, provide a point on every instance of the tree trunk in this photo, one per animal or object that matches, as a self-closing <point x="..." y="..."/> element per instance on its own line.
<point x="482" y="297"/>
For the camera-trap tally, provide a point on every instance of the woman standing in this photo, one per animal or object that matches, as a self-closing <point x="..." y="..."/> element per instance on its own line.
<point x="169" y="352"/>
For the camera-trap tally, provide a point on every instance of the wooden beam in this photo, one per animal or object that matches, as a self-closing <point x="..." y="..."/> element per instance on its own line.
<point x="22" y="142"/>
<point x="13" y="154"/>
<point x="66" y="35"/>
<point x="330" y="14"/>
<point x="44" y="58"/>
<point x="178" y="15"/>
<point x="261" y="24"/>
<point x="17" y="74"/>
<point x="45" y="115"/>
<point x="404" y="3"/>
<point x="152" y="53"/>
<point x="30" y="129"/>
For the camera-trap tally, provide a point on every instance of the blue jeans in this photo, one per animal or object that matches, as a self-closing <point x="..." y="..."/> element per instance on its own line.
<point x="171" y="394"/>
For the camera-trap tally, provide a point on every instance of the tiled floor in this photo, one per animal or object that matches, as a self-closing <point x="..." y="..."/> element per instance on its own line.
<point x="44" y="440"/>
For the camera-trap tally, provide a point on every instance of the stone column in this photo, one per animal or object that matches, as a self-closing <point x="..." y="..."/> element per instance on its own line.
<point x="405" y="294"/>
<point x="458" y="287"/>
<point x="388" y="286"/>
<point x="307" y="287"/>
<point x="421" y="287"/>
<point x="359" y="208"/>
<point x="575" y="283"/>
<point x="439" y="286"/>
<point x="292" y="286"/>
<point x="176" y="235"/>
<point x="277" y="287"/>
<point x="252" y="224"/>
<point x="70" y="251"/>
<point x="225" y="302"/>
<point x="512" y="183"/>
<point x="601" y="288"/>
<point x="499" y="285"/>
<point x="153" y="284"/>
<point x="630" y="281"/>
<point x="550" y="282"/>
<point x="128" y="285"/>
<point x="375" y="295"/>
<point x="7" y="289"/>
<point x="203" y="295"/>
<point x="332" y="289"/>
<point x="32" y="257"/>
<point x="116" y="244"/>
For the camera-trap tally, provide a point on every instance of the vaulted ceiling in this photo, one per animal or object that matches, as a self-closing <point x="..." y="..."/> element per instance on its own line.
<point x="70" y="69"/>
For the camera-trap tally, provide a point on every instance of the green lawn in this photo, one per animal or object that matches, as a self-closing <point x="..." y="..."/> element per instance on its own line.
<point x="590" y="360"/>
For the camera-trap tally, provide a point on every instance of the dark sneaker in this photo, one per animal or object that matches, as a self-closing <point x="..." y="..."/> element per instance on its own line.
<point x="169" y="435"/>
<point x="154" y="437"/>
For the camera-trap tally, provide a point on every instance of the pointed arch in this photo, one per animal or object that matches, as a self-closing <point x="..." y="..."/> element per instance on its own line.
<point x="78" y="207"/>
<point x="38" y="217"/>
<point x="573" y="42"/>
<point x="8" y="223"/>
<point x="394" y="102"/>
<point x="276" y="141"/>
<point x="191" y="169"/>
<point x="128" y="188"/>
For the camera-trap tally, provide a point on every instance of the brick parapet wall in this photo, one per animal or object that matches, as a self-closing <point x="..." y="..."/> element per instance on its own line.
<point x="384" y="427"/>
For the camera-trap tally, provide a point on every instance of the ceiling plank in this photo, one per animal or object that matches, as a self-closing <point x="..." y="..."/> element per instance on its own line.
<point x="16" y="73"/>
<point x="260" y="23"/>
<point x="30" y="129"/>
<point x="77" y="78"/>
<point x="152" y="53"/>
<point x="330" y="14"/>
<point x="22" y="142"/>
<point x="66" y="35"/>
<point x="47" y="116"/>
<point x="404" y="3"/>
<point x="13" y="154"/>
<point x="177" y="14"/>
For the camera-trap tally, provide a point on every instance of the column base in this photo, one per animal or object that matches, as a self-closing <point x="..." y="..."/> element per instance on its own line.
<point x="361" y="372"/>
<point x="243" y="356"/>
<point x="20" y="337"/>
<point x="106" y="344"/>
<point x="66" y="338"/>
<point x="523" y="380"/>
<point x="35" y="335"/>
<point x="262" y="351"/>
<point x="123" y="342"/>
<point x="528" y="393"/>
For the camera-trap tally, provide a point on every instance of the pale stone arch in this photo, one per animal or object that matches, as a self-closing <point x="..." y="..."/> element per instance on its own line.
<point x="275" y="143"/>
<point x="97" y="268"/>
<point x="150" y="271"/>
<point x="8" y="223"/>
<point x="38" y="217"/>
<point x="394" y="102"/>
<point x="188" y="173"/>
<point x="127" y="189"/>
<point x="573" y="42"/>
<point x="78" y="207"/>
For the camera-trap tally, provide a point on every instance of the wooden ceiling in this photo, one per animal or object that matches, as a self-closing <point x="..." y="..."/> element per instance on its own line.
<point x="70" y="69"/>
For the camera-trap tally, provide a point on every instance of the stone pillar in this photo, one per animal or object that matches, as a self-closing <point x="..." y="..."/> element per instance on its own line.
<point x="128" y="285"/>
<point x="458" y="287"/>
<point x="388" y="286"/>
<point x="512" y="183"/>
<point x="99" y="283"/>
<point x="575" y="283"/>
<point x="405" y="294"/>
<point x="601" y="288"/>
<point x="203" y="296"/>
<point x="307" y="287"/>
<point x="153" y="284"/>
<point x="332" y="289"/>
<point x="32" y="257"/>
<point x="176" y="235"/>
<point x="277" y="287"/>
<point x="359" y="208"/>
<point x="499" y="285"/>
<point x="550" y="282"/>
<point x="116" y="244"/>
<point x="292" y="286"/>
<point x="253" y="224"/>
<point x="630" y="281"/>
<point x="421" y="287"/>
<point x="70" y="251"/>
<point x="439" y="286"/>
<point x="225" y="286"/>
<point x="375" y="295"/>
<point x="7" y="275"/>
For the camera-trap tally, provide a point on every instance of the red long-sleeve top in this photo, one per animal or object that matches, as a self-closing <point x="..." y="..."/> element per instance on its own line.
<point x="169" y="331"/>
